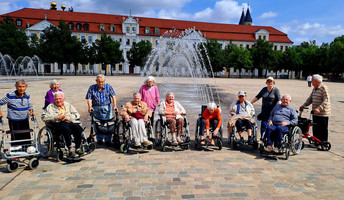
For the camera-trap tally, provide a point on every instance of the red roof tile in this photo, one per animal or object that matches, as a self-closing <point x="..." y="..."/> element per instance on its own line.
<point x="211" y="30"/>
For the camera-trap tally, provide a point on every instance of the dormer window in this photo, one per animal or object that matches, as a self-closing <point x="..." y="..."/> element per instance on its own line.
<point x="127" y="29"/>
<point x="264" y="37"/>
<point x="147" y="30"/>
<point x="70" y="26"/>
<point x="260" y="37"/>
<point x="113" y="28"/>
<point x="19" y="22"/>
<point x="78" y="26"/>
<point x="86" y="27"/>
<point x="102" y="27"/>
<point x="134" y="29"/>
<point x="156" y="31"/>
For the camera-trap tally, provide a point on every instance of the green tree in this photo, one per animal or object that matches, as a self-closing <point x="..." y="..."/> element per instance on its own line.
<point x="13" y="41"/>
<point x="336" y="56"/>
<point x="277" y="63"/>
<point x="238" y="57"/>
<point x="139" y="52"/>
<point x="309" y="55"/>
<point x="107" y="52"/>
<point x="262" y="55"/>
<point x="58" y="45"/>
<point x="215" y="53"/>
<point x="292" y="59"/>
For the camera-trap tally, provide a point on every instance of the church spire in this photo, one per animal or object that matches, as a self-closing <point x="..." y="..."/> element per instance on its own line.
<point x="242" y="18"/>
<point x="248" y="19"/>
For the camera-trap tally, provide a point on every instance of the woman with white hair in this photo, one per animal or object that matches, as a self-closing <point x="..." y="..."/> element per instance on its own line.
<point x="49" y="97"/>
<point x="150" y="95"/>
<point x="210" y="117"/>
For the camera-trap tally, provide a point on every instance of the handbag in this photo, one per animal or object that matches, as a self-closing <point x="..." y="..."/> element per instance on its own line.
<point x="138" y="115"/>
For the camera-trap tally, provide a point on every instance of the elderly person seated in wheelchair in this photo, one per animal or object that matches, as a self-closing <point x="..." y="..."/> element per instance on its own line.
<point x="172" y="111"/>
<point x="65" y="120"/>
<point x="242" y="111"/>
<point x="280" y="117"/>
<point x="137" y="113"/>
<point x="210" y="117"/>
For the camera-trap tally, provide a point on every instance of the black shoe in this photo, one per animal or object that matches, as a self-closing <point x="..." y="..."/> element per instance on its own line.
<point x="250" y="141"/>
<point x="242" y="141"/>
<point x="108" y="143"/>
<point x="100" y="142"/>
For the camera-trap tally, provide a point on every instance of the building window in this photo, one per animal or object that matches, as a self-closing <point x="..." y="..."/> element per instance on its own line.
<point x="147" y="30"/>
<point x="240" y="45"/>
<point x="281" y="48"/>
<point x="90" y="40"/>
<point x="128" y="41"/>
<point x="156" y="42"/>
<point x="112" y="28"/>
<point x="286" y="47"/>
<point x="91" y="67"/>
<point x="19" y="22"/>
<point x="41" y="35"/>
<point x="134" y="29"/>
<point x="86" y="27"/>
<point x="120" y="40"/>
<point x="75" y="36"/>
<point x="156" y="31"/>
<point x="247" y="46"/>
<point x="82" y="38"/>
<point x="134" y="41"/>
<point x="120" y="67"/>
<point x="33" y="35"/>
<point x="70" y="26"/>
<point x="275" y="48"/>
<point x="260" y="37"/>
<point x="264" y="37"/>
<point x="83" y="67"/>
<point x="102" y="27"/>
<point x="127" y="29"/>
<point x="78" y="26"/>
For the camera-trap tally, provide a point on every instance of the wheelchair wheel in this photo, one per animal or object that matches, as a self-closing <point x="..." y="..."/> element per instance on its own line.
<point x="219" y="144"/>
<point x="124" y="148"/>
<point x="12" y="166"/>
<point x="326" y="146"/>
<point x="33" y="163"/>
<point x="45" y="142"/>
<point x="158" y="133"/>
<point x="235" y="145"/>
<point x="296" y="140"/>
<point x="287" y="153"/>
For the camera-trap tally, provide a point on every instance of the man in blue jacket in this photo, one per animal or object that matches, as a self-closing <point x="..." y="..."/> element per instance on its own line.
<point x="280" y="117"/>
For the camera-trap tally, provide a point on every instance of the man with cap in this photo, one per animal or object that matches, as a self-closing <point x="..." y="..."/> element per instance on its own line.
<point x="320" y="100"/>
<point x="245" y="109"/>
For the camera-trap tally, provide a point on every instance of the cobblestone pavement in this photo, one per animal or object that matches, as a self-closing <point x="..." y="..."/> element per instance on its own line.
<point x="182" y="174"/>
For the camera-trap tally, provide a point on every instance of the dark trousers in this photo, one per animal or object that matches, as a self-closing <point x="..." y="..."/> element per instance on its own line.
<point x="274" y="134"/>
<point x="19" y="125"/>
<point x="67" y="129"/>
<point x="240" y="124"/>
<point x="309" y="83"/>
<point x="213" y="125"/>
<point x="320" y="128"/>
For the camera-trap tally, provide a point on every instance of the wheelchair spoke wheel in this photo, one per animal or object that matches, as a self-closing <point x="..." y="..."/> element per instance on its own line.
<point x="45" y="142"/>
<point x="219" y="144"/>
<point x="91" y="146"/>
<point x="287" y="153"/>
<point x="296" y="140"/>
<point x="33" y="163"/>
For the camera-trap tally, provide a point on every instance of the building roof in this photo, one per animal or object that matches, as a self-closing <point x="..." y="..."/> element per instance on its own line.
<point x="242" y="18"/>
<point x="210" y="30"/>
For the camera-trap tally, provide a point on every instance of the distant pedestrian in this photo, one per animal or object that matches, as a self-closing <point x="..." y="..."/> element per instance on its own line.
<point x="309" y="80"/>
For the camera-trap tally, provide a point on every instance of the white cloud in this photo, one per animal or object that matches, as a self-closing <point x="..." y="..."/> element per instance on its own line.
<point x="315" y="29"/>
<point x="269" y="14"/>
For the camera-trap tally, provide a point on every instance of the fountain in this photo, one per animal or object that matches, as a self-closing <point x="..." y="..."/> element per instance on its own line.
<point x="22" y="66"/>
<point x="178" y="55"/>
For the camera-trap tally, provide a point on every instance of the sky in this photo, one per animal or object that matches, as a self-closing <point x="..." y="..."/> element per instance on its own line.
<point x="302" y="20"/>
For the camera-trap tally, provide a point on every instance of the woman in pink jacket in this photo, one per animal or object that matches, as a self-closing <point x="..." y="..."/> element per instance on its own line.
<point x="150" y="95"/>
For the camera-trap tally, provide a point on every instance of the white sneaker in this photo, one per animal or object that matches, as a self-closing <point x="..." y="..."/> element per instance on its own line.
<point x="15" y="148"/>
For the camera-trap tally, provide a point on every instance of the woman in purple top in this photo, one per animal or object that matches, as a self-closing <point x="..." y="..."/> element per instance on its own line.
<point x="150" y="94"/>
<point x="49" y="97"/>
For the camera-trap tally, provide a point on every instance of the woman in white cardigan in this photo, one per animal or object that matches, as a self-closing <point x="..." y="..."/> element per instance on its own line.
<point x="173" y="111"/>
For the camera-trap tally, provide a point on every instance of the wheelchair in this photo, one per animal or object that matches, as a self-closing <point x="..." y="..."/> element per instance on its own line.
<point x="162" y="129"/>
<point x="217" y="139"/>
<point x="291" y="141"/>
<point x="18" y="152"/>
<point x="305" y="124"/>
<point x="126" y="137"/>
<point x="105" y="127"/>
<point x="234" y="138"/>
<point x="49" y="142"/>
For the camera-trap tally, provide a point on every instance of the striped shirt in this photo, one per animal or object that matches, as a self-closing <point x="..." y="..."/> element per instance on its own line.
<point x="320" y="98"/>
<point x="17" y="107"/>
<point x="100" y="97"/>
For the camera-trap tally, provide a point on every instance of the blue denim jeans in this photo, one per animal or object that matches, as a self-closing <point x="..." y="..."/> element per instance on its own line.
<point x="274" y="133"/>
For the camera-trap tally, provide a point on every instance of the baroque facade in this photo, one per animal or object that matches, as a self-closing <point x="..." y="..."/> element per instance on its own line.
<point x="128" y="30"/>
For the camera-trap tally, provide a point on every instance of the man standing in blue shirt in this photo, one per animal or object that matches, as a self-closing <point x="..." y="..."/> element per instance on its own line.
<point x="281" y="116"/>
<point x="99" y="98"/>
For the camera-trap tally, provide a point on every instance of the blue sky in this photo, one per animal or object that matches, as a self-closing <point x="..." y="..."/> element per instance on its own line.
<point x="302" y="20"/>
